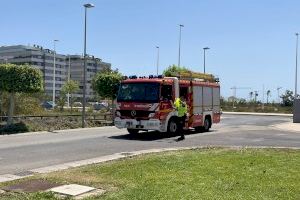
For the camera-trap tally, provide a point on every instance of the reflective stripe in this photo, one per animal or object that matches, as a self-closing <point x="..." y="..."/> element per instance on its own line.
<point x="181" y="107"/>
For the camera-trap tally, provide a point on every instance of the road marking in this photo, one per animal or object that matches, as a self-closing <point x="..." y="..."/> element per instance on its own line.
<point x="281" y="134"/>
<point x="258" y="140"/>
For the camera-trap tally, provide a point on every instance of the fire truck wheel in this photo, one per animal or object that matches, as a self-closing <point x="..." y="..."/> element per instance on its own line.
<point x="173" y="126"/>
<point x="199" y="129"/>
<point x="133" y="131"/>
<point x="206" y="124"/>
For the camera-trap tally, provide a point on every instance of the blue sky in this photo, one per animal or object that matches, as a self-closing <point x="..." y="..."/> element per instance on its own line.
<point x="252" y="41"/>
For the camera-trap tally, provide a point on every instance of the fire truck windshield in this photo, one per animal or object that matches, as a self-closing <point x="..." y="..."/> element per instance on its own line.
<point x="139" y="92"/>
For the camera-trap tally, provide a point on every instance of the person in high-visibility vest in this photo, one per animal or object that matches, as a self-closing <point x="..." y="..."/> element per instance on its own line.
<point x="182" y="110"/>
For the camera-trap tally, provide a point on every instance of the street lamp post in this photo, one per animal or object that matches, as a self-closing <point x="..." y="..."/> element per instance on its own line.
<point x="86" y="6"/>
<point x="69" y="74"/>
<point x="54" y="71"/>
<point x="180" y="26"/>
<point x="157" y="61"/>
<point x="278" y="96"/>
<point x="296" y="73"/>
<point x="204" y="49"/>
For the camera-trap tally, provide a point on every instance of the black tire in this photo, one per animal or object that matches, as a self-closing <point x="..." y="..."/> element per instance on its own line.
<point x="173" y="127"/>
<point x="207" y="124"/>
<point x="133" y="131"/>
<point x="199" y="129"/>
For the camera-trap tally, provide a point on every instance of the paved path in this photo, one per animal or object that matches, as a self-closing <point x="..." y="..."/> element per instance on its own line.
<point x="20" y="153"/>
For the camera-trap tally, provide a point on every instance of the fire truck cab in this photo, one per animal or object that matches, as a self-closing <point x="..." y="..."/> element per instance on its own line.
<point x="146" y="103"/>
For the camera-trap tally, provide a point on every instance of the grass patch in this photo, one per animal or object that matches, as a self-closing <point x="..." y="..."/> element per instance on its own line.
<point x="191" y="174"/>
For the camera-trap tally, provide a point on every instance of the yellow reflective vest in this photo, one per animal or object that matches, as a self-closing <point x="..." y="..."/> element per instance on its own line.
<point x="181" y="107"/>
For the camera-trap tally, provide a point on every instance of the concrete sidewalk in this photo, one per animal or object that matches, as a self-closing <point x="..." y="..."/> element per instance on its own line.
<point x="261" y="114"/>
<point x="288" y="126"/>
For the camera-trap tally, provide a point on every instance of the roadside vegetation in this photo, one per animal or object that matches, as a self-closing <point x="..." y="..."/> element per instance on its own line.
<point x="248" y="106"/>
<point x="24" y="107"/>
<point x="213" y="173"/>
<point x="234" y="104"/>
<point x="21" y="96"/>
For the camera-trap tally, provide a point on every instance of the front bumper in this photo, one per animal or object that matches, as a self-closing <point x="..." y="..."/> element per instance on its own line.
<point x="152" y="124"/>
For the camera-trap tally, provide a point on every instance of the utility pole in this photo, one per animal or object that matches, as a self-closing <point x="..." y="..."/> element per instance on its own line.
<point x="54" y="72"/>
<point x="263" y="100"/>
<point x="255" y="96"/>
<point x="278" y="90"/>
<point x="296" y="73"/>
<point x="69" y="74"/>
<point x="204" y="49"/>
<point x="86" y="6"/>
<point x="157" y="60"/>
<point x="234" y="88"/>
<point x="180" y="26"/>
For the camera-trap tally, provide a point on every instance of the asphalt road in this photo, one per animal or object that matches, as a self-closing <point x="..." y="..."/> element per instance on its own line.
<point x="20" y="153"/>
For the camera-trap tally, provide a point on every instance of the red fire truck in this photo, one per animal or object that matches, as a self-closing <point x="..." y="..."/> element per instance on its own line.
<point x="146" y="103"/>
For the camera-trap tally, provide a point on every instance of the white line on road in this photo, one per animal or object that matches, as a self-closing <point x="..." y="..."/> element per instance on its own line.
<point x="281" y="134"/>
<point x="258" y="140"/>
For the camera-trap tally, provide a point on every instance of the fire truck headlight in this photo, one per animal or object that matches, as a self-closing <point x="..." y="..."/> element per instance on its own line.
<point x="118" y="114"/>
<point x="151" y="115"/>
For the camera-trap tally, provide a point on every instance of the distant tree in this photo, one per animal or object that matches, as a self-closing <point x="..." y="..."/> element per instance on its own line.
<point x="61" y="100"/>
<point x="173" y="70"/>
<point x="255" y="96"/>
<point x="251" y="96"/>
<point x="242" y="101"/>
<point x="19" y="79"/>
<point x="268" y="95"/>
<point x="70" y="87"/>
<point x="106" y="84"/>
<point x="287" y="98"/>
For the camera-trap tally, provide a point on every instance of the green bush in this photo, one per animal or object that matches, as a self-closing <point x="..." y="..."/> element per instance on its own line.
<point x="14" y="128"/>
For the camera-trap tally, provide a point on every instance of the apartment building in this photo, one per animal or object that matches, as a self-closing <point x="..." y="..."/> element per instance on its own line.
<point x="42" y="59"/>
<point x="39" y="58"/>
<point x="93" y="65"/>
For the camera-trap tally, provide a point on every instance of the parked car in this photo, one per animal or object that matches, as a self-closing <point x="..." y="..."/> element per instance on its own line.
<point x="48" y="105"/>
<point x="77" y="104"/>
<point x="99" y="106"/>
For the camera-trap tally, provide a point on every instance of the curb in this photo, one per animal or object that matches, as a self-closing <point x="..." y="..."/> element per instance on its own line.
<point x="56" y="131"/>
<point x="119" y="156"/>
<point x="259" y="114"/>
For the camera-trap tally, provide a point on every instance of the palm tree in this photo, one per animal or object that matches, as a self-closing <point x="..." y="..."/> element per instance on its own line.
<point x="268" y="95"/>
<point x="255" y="96"/>
<point x="251" y="95"/>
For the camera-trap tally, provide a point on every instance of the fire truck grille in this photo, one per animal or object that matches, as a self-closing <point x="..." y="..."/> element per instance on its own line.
<point x="135" y="113"/>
